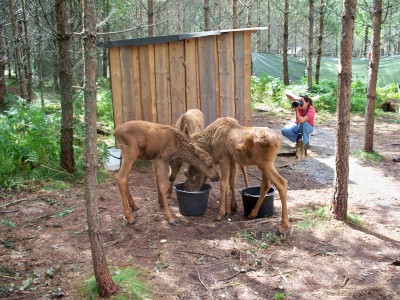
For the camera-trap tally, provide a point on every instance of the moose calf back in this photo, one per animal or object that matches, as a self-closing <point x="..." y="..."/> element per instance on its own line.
<point x="191" y="121"/>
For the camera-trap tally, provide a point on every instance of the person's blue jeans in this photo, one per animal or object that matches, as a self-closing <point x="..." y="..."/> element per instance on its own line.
<point x="291" y="131"/>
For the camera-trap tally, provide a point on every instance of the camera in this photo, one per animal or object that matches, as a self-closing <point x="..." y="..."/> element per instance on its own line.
<point x="296" y="104"/>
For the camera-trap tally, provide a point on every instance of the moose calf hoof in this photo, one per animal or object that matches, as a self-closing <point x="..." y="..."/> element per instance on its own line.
<point x="283" y="229"/>
<point x="173" y="222"/>
<point x="131" y="220"/>
<point x="219" y="217"/>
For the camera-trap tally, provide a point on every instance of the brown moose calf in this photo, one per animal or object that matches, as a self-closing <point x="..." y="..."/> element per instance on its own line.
<point x="190" y="122"/>
<point x="203" y="139"/>
<point x="229" y="143"/>
<point x="163" y="144"/>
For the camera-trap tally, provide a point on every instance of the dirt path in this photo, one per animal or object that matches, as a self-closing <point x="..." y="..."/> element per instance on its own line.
<point x="233" y="259"/>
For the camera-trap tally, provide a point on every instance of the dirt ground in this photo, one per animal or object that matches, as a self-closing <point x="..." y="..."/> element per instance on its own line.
<point x="47" y="255"/>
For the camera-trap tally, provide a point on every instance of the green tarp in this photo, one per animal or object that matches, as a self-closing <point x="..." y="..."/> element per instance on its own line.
<point x="271" y="64"/>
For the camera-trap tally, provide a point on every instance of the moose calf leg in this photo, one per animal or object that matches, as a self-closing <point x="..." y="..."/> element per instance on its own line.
<point x="245" y="177"/>
<point x="162" y="183"/>
<point x="232" y="184"/>
<point x="122" y="180"/>
<point x="281" y="185"/>
<point x="131" y="202"/>
<point x="225" y="165"/>
<point x="173" y="171"/>
<point x="265" y="185"/>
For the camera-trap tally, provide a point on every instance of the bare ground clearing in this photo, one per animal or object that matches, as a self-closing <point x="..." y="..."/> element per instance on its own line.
<point x="205" y="259"/>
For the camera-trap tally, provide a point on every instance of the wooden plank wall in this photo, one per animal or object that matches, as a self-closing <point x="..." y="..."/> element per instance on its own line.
<point x="159" y="82"/>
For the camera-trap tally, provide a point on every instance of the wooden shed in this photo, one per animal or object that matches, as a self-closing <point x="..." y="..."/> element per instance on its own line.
<point x="158" y="78"/>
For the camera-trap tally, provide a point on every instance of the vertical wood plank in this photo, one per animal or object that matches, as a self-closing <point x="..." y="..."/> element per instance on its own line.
<point x="161" y="84"/>
<point x="191" y="74"/>
<point x="136" y="85"/>
<point x="177" y="76"/>
<point x="239" y="76"/>
<point x="152" y="76"/>
<point x="247" y="78"/>
<point x="226" y="74"/>
<point x="116" y="84"/>
<point x="145" y="84"/>
<point x="128" y="109"/>
<point x="207" y="84"/>
<point x="217" y="82"/>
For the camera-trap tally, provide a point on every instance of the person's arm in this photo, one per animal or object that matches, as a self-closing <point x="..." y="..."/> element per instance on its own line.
<point x="292" y="97"/>
<point x="299" y="118"/>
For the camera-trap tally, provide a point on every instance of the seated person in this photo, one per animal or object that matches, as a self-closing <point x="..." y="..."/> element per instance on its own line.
<point x="303" y="125"/>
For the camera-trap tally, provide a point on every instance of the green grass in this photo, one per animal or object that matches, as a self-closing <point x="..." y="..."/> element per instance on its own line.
<point x="279" y="296"/>
<point x="354" y="219"/>
<point x="128" y="279"/>
<point x="368" y="156"/>
<point x="260" y="239"/>
<point x="316" y="216"/>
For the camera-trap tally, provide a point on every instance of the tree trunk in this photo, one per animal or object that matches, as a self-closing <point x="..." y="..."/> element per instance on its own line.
<point x="206" y="15"/>
<point x="310" y="42"/>
<point x="234" y="14"/>
<point x="40" y="69"/>
<point x="398" y="43"/>
<point x="269" y="26"/>
<point x="9" y="61"/>
<point x="373" y="76"/>
<point x="150" y="18"/>
<point x="364" y="54"/>
<point x="106" y="39"/>
<point x="39" y="59"/>
<point x="285" y="43"/>
<point x="66" y="139"/>
<point x="56" y="81"/>
<point x="2" y="69"/>
<point x="74" y="19"/>
<point x="258" y="43"/>
<point x="278" y="39"/>
<point x="18" y="53"/>
<point x="28" y="53"/>
<point x="339" y="202"/>
<point x="106" y="286"/>
<point x="248" y="16"/>
<point x="320" y="38"/>
<point x="389" y="38"/>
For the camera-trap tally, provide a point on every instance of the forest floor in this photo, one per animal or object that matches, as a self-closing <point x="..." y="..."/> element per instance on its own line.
<point x="47" y="254"/>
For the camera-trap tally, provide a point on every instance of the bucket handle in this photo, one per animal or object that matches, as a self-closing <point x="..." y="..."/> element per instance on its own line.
<point x="115" y="156"/>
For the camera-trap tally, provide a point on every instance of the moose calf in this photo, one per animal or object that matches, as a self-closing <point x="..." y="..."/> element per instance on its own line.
<point x="164" y="145"/>
<point x="190" y="122"/>
<point x="229" y="143"/>
<point x="195" y="179"/>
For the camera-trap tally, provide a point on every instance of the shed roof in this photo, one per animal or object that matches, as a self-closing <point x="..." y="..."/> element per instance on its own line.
<point x="169" y="38"/>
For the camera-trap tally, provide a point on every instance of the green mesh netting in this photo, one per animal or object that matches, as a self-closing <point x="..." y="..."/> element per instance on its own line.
<point x="271" y="64"/>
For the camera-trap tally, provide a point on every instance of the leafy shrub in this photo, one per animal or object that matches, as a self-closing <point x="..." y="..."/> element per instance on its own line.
<point x="270" y="91"/>
<point x="324" y="95"/>
<point x="29" y="145"/>
<point x="104" y="106"/>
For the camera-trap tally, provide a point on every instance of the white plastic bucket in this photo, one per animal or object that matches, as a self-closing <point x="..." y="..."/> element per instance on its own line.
<point x="113" y="161"/>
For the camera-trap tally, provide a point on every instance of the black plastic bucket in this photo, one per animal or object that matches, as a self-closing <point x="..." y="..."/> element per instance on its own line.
<point x="192" y="203"/>
<point x="250" y="196"/>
